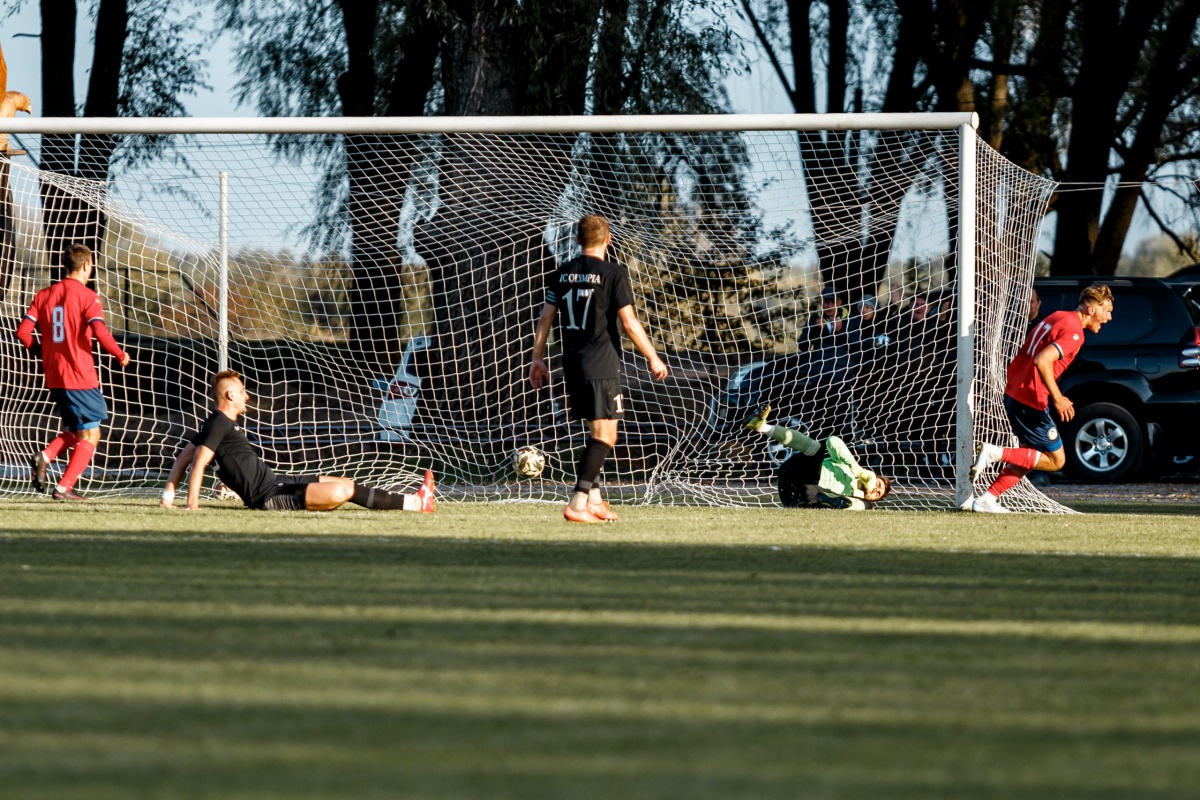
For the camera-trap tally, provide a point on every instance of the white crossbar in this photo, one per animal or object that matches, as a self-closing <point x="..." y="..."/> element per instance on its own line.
<point x="559" y="124"/>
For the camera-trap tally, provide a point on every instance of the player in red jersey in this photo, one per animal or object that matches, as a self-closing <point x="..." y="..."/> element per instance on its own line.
<point x="1032" y="386"/>
<point x="66" y="316"/>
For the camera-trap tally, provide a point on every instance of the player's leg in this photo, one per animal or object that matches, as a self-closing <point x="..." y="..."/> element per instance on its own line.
<point x="1029" y="425"/>
<point x="603" y="430"/>
<point x="82" y="410"/>
<point x="598" y="402"/>
<point x="602" y="435"/>
<point x="330" y="492"/>
<point x="1040" y="448"/>
<point x="86" y="440"/>
<point x="787" y="437"/>
<point x="64" y="441"/>
<point x="327" y="492"/>
<point x="797" y="481"/>
<point x="45" y="457"/>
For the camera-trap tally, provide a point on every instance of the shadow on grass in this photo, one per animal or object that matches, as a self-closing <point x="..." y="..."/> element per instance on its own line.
<point x="1176" y="509"/>
<point x="313" y="667"/>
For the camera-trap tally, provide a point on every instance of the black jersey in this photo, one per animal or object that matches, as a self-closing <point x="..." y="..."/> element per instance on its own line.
<point x="238" y="466"/>
<point x="588" y="293"/>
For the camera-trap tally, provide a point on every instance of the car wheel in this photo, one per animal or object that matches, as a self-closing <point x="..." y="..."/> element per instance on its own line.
<point x="1104" y="444"/>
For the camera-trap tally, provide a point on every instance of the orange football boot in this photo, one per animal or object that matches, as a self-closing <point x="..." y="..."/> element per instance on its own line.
<point x="602" y="512"/>
<point x="571" y="515"/>
<point x="428" y="500"/>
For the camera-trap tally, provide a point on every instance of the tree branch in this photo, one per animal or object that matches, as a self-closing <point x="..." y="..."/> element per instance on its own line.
<point x="762" y="39"/>
<point x="1183" y="246"/>
<point x="999" y="67"/>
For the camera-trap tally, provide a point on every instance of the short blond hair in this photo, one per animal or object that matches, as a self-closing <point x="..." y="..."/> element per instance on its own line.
<point x="1096" y="294"/>
<point x="222" y="377"/>
<point x="593" y="230"/>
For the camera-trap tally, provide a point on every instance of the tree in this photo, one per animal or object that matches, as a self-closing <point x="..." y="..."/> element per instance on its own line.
<point x="468" y="57"/>
<point x="142" y="63"/>
<point x="1078" y="91"/>
<point x="1138" y="69"/>
<point x="909" y="38"/>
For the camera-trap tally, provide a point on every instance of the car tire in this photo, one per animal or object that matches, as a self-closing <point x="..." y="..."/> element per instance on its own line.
<point x="1104" y="444"/>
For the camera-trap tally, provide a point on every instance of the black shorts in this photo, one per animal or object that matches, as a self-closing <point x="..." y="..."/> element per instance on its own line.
<point x="594" y="398"/>
<point x="288" y="493"/>
<point x="797" y="480"/>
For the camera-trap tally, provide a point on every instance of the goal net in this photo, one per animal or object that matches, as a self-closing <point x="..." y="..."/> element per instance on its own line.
<point x="379" y="290"/>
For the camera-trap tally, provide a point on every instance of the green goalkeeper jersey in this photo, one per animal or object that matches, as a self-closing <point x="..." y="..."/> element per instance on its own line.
<point x="839" y="471"/>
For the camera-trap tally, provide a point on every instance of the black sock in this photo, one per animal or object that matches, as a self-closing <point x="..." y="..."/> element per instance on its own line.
<point x="590" y="464"/>
<point x="370" y="497"/>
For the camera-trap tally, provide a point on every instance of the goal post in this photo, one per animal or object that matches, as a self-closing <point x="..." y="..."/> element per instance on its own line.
<point x="964" y="342"/>
<point x="377" y="280"/>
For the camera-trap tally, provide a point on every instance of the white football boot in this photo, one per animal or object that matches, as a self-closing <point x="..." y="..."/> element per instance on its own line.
<point x="985" y="455"/>
<point x="987" y="503"/>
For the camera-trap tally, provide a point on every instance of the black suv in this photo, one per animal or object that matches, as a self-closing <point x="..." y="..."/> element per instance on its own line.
<point x="1136" y="384"/>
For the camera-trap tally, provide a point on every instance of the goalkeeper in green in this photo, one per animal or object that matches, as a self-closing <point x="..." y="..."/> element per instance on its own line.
<point x="820" y="474"/>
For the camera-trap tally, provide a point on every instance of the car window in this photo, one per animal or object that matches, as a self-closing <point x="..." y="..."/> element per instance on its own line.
<point x="1132" y="321"/>
<point x="1055" y="301"/>
<point x="1191" y="298"/>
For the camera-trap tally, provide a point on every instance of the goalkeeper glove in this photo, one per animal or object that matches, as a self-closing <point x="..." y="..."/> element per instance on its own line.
<point x="865" y="477"/>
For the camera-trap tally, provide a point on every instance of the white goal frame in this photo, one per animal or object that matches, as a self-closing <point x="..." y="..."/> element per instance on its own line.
<point x="964" y="123"/>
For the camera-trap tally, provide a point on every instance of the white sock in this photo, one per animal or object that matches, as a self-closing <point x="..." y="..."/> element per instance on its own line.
<point x="579" y="501"/>
<point x="412" y="502"/>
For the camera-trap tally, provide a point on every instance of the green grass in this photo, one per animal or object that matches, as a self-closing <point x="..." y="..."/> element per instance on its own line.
<point x="494" y="651"/>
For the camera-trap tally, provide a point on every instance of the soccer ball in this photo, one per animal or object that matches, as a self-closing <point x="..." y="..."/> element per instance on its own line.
<point x="528" y="461"/>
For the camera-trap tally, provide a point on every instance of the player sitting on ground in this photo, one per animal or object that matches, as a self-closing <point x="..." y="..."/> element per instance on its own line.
<point x="242" y="470"/>
<point x="821" y="474"/>
<point x="1048" y="350"/>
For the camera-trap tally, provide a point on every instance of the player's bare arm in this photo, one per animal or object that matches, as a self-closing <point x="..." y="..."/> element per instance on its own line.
<point x="202" y="457"/>
<point x="635" y="331"/>
<point x="1044" y="364"/>
<point x="539" y="373"/>
<point x="177" y="470"/>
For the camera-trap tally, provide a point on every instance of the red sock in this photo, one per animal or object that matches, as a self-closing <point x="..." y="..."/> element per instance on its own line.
<point x="81" y="456"/>
<point x="1004" y="481"/>
<point x="65" y="439"/>
<point x="1024" y="457"/>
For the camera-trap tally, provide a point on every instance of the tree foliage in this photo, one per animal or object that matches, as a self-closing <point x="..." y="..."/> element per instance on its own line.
<point x="1089" y="92"/>
<point x="146" y="56"/>
<point x="469" y="57"/>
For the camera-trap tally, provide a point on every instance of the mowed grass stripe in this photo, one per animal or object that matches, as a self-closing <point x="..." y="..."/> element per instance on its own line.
<point x="894" y="626"/>
<point x="493" y="651"/>
<point x="495" y="692"/>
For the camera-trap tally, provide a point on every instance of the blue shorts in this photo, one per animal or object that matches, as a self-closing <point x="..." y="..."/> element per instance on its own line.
<point x="80" y="409"/>
<point x="1033" y="427"/>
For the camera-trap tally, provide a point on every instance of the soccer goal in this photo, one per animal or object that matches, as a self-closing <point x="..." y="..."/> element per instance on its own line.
<point x="377" y="281"/>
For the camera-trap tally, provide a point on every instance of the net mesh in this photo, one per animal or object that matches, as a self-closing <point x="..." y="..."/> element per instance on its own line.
<point x="383" y="292"/>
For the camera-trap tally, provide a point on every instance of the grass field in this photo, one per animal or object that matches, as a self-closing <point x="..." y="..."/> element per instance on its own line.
<point x="494" y="651"/>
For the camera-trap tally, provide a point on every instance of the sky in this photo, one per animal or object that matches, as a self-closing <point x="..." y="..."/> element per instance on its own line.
<point x="756" y="91"/>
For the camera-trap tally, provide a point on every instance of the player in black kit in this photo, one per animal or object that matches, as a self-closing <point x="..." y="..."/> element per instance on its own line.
<point x="590" y="295"/>
<point x="242" y="470"/>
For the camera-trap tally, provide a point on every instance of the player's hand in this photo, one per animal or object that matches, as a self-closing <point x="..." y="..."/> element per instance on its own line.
<point x="1065" y="408"/>
<point x="125" y="361"/>
<point x="866" y="480"/>
<point x="539" y="373"/>
<point x="658" y="368"/>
